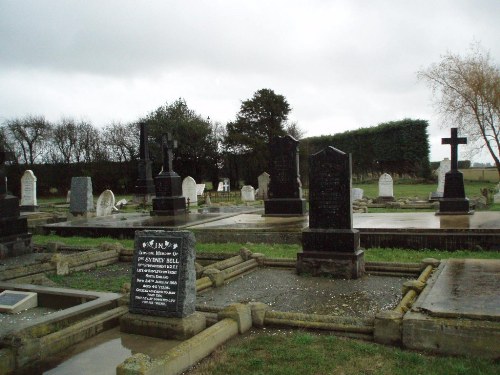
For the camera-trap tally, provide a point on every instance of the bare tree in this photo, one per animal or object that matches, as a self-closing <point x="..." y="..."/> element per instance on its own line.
<point x="466" y="92"/>
<point x="122" y="141"/>
<point x="89" y="146"/>
<point x="30" y="135"/>
<point x="65" y="139"/>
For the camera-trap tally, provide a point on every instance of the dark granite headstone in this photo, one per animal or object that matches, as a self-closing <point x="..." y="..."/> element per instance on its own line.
<point x="168" y="185"/>
<point x="82" y="199"/>
<point x="144" y="187"/>
<point x="163" y="274"/>
<point x="330" y="244"/>
<point x="454" y="201"/>
<point x="14" y="237"/>
<point x="285" y="188"/>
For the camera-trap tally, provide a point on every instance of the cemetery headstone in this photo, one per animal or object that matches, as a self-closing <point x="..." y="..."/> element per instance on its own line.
<point x="163" y="274"/>
<point x="189" y="190"/>
<point x="385" y="188"/>
<point x="357" y="194"/>
<point x="444" y="167"/>
<point x="496" y="197"/>
<point x="13" y="301"/>
<point x="200" y="189"/>
<point x="144" y="186"/>
<point x="330" y="245"/>
<point x="247" y="193"/>
<point x="168" y="187"/>
<point x="105" y="203"/>
<point x="454" y="201"/>
<point x="28" y="192"/>
<point x="14" y="237"/>
<point x="82" y="200"/>
<point x="285" y="188"/>
<point x="68" y="196"/>
<point x="220" y="187"/>
<point x="263" y="181"/>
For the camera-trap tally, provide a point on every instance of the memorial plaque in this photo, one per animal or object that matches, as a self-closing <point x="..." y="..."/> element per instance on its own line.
<point x="14" y="301"/>
<point x="163" y="274"/>
<point x="330" y="205"/>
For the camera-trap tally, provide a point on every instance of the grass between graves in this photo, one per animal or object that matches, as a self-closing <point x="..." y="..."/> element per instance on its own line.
<point x="296" y="352"/>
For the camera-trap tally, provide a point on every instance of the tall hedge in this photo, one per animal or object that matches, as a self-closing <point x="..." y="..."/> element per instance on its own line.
<point x="397" y="147"/>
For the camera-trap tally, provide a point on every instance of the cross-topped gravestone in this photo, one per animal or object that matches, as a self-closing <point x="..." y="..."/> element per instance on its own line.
<point x="454" y="141"/>
<point x="168" y="146"/>
<point x="168" y="185"/>
<point x="4" y="156"/>
<point x="144" y="188"/>
<point x="454" y="201"/>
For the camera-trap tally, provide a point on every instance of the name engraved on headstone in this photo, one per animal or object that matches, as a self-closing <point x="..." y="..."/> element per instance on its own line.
<point x="157" y="274"/>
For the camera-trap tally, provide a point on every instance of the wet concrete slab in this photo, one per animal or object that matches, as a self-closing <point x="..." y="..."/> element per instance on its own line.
<point x="283" y="290"/>
<point x="464" y="288"/>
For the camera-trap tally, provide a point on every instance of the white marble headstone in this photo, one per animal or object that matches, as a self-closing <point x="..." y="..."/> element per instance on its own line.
<point x="385" y="186"/>
<point x="247" y="193"/>
<point x="221" y="186"/>
<point x="189" y="190"/>
<point x="28" y="189"/>
<point x="357" y="193"/>
<point x="444" y="167"/>
<point x="263" y="181"/>
<point x="200" y="189"/>
<point x="105" y="203"/>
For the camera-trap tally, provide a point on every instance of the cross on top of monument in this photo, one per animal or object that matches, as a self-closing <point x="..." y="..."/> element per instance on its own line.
<point x="454" y="141"/>
<point x="168" y="145"/>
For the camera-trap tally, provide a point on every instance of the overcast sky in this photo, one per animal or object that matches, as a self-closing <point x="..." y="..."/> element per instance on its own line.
<point x="341" y="64"/>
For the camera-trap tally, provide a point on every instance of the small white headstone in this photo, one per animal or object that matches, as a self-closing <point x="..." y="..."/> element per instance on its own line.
<point x="200" y="189"/>
<point x="444" y="167"/>
<point x="357" y="193"/>
<point x="28" y="189"/>
<point x="226" y="186"/>
<point x="385" y="186"/>
<point x="68" y="196"/>
<point x="263" y="181"/>
<point x="247" y="193"/>
<point x="105" y="203"/>
<point x="189" y="190"/>
<point x="221" y="186"/>
<point x="121" y="203"/>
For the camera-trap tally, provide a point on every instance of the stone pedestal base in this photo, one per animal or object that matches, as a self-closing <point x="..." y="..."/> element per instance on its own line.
<point x="285" y="207"/>
<point x="143" y="198"/>
<point x="168" y="206"/>
<point x="333" y="264"/>
<point x="29" y="208"/>
<point x="454" y="206"/>
<point x="162" y="327"/>
<point x="330" y="240"/>
<point x="385" y="199"/>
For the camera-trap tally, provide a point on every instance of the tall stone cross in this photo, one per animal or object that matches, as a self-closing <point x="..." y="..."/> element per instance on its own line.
<point x="4" y="155"/>
<point x="168" y="146"/>
<point x="143" y="145"/>
<point x="454" y="141"/>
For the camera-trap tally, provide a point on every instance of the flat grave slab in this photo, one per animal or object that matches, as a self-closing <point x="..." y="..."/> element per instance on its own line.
<point x="464" y="288"/>
<point x="14" y="301"/>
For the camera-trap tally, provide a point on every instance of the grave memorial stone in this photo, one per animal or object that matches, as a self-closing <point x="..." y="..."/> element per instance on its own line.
<point x="248" y="193"/>
<point x="13" y="301"/>
<point x="163" y="287"/>
<point x="189" y="190"/>
<point x="454" y="201"/>
<point x="144" y="186"/>
<point x="496" y="197"/>
<point x="357" y="194"/>
<point x="28" y="192"/>
<point x="81" y="201"/>
<point x="200" y="189"/>
<point x="330" y="244"/>
<point x="385" y="188"/>
<point x="169" y="200"/>
<point x="263" y="181"/>
<point x="105" y="203"/>
<point x="14" y="237"/>
<point x="220" y="187"/>
<point x="444" y="167"/>
<point x="285" y="188"/>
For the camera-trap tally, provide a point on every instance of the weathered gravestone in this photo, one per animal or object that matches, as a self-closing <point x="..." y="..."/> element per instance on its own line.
<point x="189" y="190"/>
<point x="357" y="194"/>
<point x="444" y="167"/>
<point x="330" y="244"/>
<point x="263" y="181"/>
<point x="28" y="192"/>
<point x="200" y="189"/>
<point x="247" y="193"/>
<point x="285" y="188"/>
<point x="163" y="287"/>
<point x="220" y="187"/>
<point x="14" y="237"/>
<point x="144" y="186"/>
<point x="81" y="201"/>
<point x="454" y="201"/>
<point x="385" y="188"/>
<point x="105" y="203"/>
<point x="169" y="200"/>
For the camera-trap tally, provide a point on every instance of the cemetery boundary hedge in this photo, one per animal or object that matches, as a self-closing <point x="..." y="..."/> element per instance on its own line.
<point x="397" y="147"/>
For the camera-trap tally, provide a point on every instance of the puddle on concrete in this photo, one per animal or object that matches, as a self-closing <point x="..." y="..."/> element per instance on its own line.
<point x="101" y="354"/>
<point x="284" y="290"/>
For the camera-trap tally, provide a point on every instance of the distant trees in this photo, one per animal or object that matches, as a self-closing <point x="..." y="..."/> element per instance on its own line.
<point x="467" y="94"/>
